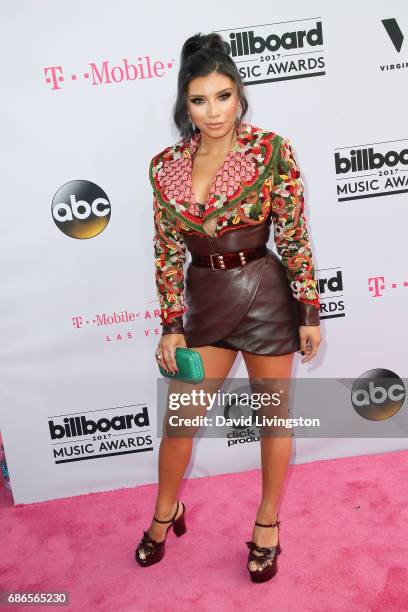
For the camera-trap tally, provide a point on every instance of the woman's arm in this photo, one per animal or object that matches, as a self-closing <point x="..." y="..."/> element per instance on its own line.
<point x="170" y="256"/>
<point x="291" y="234"/>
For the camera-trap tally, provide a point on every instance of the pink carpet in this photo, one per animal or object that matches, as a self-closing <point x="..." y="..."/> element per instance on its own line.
<point x="343" y="534"/>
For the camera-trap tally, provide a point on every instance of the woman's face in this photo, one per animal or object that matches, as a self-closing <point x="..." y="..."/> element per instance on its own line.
<point x="212" y="102"/>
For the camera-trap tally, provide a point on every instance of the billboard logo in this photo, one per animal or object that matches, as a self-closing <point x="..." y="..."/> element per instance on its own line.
<point x="330" y="287"/>
<point x="373" y="170"/>
<point x="277" y="51"/>
<point x="110" y="432"/>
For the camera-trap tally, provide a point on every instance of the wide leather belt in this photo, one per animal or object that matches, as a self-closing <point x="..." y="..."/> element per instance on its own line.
<point x="226" y="261"/>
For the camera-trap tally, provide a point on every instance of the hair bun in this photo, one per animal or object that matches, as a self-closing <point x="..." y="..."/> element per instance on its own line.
<point x="198" y="42"/>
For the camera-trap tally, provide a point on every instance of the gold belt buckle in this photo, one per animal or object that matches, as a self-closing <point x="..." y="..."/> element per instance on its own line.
<point x="220" y="259"/>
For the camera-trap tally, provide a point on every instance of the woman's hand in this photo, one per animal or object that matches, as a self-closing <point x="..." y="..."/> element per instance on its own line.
<point x="166" y="351"/>
<point x="309" y="340"/>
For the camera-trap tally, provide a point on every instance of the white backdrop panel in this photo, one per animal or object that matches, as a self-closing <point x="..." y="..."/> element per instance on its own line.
<point x="56" y="360"/>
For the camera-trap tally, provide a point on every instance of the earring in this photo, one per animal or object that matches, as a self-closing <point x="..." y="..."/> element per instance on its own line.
<point x="193" y="127"/>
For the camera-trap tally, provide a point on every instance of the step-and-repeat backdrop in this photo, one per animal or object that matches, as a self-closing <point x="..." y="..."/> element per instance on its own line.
<point x="87" y="102"/>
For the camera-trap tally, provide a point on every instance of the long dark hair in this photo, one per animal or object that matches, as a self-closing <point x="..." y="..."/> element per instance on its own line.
<point x="203" y="54"/>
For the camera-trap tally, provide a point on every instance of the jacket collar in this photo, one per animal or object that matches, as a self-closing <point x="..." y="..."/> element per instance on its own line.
<point x="244" y="170"/>
<point x="242" y="143"/>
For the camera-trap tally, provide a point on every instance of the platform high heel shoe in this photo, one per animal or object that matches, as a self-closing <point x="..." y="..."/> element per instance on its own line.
<point x="266" y="557"/>
<point x="149" y="551"/>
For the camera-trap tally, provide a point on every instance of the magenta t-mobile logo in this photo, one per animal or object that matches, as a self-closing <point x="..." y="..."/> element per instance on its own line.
<point x="106" y="74"/>
<point x="376" y="285"/>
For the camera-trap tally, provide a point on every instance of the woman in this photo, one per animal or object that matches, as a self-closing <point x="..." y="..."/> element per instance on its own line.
<point x="216" y="192"/>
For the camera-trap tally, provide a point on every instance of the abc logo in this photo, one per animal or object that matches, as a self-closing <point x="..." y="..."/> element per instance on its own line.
<point x="81" y="209"/>
<point x="378" y="394"/>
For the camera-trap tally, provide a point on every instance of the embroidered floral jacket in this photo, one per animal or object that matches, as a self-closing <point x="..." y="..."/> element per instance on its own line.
<point x="259" y="178"/>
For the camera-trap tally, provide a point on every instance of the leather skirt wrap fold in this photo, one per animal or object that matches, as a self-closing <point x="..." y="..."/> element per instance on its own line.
<point x="250" y="307"/>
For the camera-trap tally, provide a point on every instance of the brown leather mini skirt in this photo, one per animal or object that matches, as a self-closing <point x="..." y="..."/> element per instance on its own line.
<point x="249" y="307"/>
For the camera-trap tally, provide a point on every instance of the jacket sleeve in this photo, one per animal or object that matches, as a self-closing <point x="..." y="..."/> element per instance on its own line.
<point x="169" y="256"/>
<point x="291" y="233"/>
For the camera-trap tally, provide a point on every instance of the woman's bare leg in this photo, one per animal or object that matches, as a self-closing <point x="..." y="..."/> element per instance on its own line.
<point x="175" y="452"/>
<point x="275" y="451"/>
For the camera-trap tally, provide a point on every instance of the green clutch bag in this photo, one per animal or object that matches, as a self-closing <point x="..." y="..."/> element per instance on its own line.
<point x="189" y="364"/>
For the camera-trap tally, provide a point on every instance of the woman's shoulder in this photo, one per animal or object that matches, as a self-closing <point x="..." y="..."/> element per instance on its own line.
<point x="169" y="153"/>
<point x="260" y="133"/>
<point x="277" y="142"/>
<point x="266" y="144"/>
<point x="167" y="166"/>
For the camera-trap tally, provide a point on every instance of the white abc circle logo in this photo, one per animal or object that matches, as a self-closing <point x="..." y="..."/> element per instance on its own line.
<point x="81" y="209"/>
